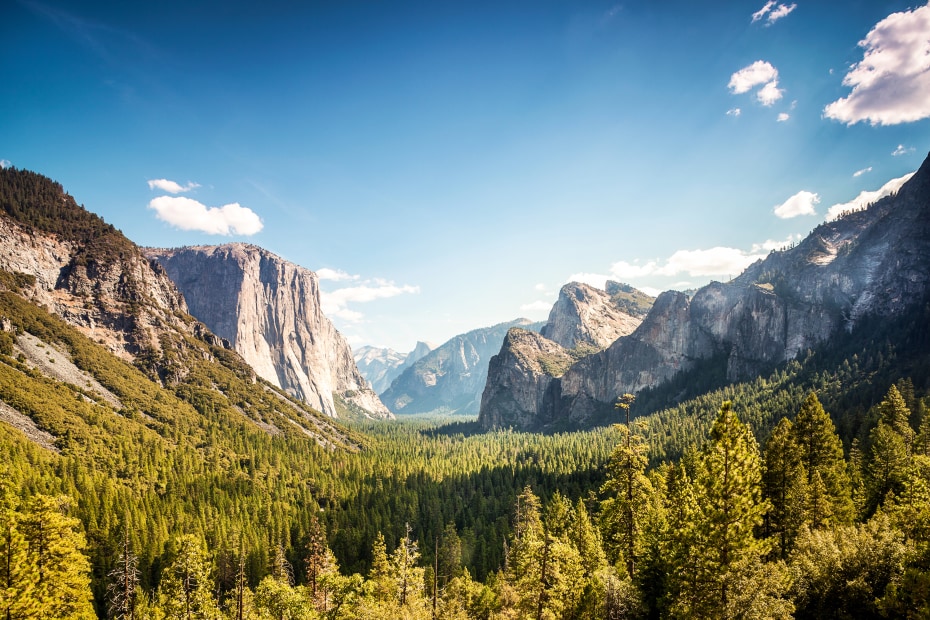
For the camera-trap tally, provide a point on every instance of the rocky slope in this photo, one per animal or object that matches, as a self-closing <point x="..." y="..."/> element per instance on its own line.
<point x="269" y="309"/>
<point x="84" y="270"/>
<point x="450" y="378"/>
<point x="80" y="300"/>
<point x="872" y="262"/>
<point x="380" y="366"/>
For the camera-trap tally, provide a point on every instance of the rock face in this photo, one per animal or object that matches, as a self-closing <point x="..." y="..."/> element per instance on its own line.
<point x="584" y="315"/>
<point x="380" y="366"/>
<point x="90" y="275"/>
<point x="269" y="309"/>
<point x="522" y="390"/>
<point x="871" y="262"/>
<point x="520" y="380"/>
<point x="450" y="378"/>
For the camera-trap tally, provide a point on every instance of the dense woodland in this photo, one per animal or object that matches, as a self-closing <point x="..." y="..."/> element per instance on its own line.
<point x="804" y="493"/>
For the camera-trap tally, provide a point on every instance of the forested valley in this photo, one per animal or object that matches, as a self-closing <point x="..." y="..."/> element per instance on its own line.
<point x="746" y="502"/>
<point x="177" y="484"/>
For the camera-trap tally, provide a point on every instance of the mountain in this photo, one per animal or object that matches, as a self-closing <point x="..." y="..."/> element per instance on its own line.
<point x="451" y="377"/>
<point x="583" y="321"/>
<point x="81" y="305"/>
<point x="873" y="262"/>
<point x="269" y="309"/>
<point x="587" y="316"/>
<point x="380" y="366"/>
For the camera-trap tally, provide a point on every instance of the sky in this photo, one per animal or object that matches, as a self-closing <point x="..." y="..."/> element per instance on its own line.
<point x="449" y="165"/>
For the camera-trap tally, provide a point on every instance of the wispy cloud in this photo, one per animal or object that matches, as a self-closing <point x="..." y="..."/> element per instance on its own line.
<point x="336" y="275"/>
<point x="760" y="73"/>
<point x="772" y="12"/>
<point x="734" y="112"/>
<point x="901" y="150"/>
<point x="859" y="173"/>
<point x="5" y="163"/>
<point x="171" y="186"/>
<point x="782" y="117"/>
<point x="188" y="214"/>
<point x="891" y="84"/>
<point x="335" y="303"/>
<point x="865" y="198"/>
<point x="801" y="203"/>
<point x="710" y="262"/>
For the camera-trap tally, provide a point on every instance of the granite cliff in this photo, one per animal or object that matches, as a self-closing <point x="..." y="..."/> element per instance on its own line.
<point x="873" y="262"/>
<point x="269" y="309"/>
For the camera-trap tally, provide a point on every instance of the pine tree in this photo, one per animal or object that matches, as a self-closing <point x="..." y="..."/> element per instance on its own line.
<point x="186" y="589"/>
<point x="57" y="544"/>
<point x="629" y="489"/>
<point x="407" y="575"/>
<point x="784" y="485"/>
<point x="822" y="453"/>
<point x="321" y="567"/>
<point x="18" y="571"/>
<point x="728" y="492"/>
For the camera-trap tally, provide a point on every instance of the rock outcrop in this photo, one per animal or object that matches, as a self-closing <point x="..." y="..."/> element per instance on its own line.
<point x="87" y="272"/>
<point x="451" y="377"/>
<point x="380" y="366"/>
<point x="585" y="315"/>
<point x="269" y="309"/>
<point x="874" y="262"/>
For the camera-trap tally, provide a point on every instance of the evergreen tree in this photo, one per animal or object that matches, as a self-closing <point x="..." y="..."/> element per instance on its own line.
<point x="728" y="492"/>
<point x="822" y="453"/>
<point x="186" y="589"/>
<point x="629" y="491"/>
<point x="18" y="571"/>
<point x="57" y="544"/>
<point x="784" y="485"/>
<point x="407" y="574"/>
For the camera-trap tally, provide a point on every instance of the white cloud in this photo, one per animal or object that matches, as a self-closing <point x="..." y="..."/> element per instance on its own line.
<point x="865" y="197"/>
<point x="774" y="13"/>
<point x="537" y="306"/>
<point x="540" y="287"/>
<point x="734" y="112"/>
<point x="759" y="73"/>
<point x="901" y="150"/>
<point x="712" y="262"/>
<point x="801" y="203"/>
<point x="5" y="163"/>
<point x="170" y="186"/>
<point x="335" y="303"/>
<point x="770" y="93"/>
<point x="772" y="244"/>
<point x="782" y="117"/>
<point x="859" y="173"/>
<point x="891" y="84"/>
<point x="762" y="12"/>
<point x="781" y="11"/>
<point x="336" y="275"/>
<point x="188" y="214"/>
<point x="747" y="78"/>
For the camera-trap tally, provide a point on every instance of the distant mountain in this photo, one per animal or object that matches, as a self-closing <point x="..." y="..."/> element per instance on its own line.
<point x="269" y="309"/>
<point x="870" y="263"/>
<point x="587" y="316"/>
<point x="451" y="377"/>
<point x="380" y="366"/>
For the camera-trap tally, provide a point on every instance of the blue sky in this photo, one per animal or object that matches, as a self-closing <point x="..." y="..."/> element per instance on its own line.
<point x="449" y="165"/>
